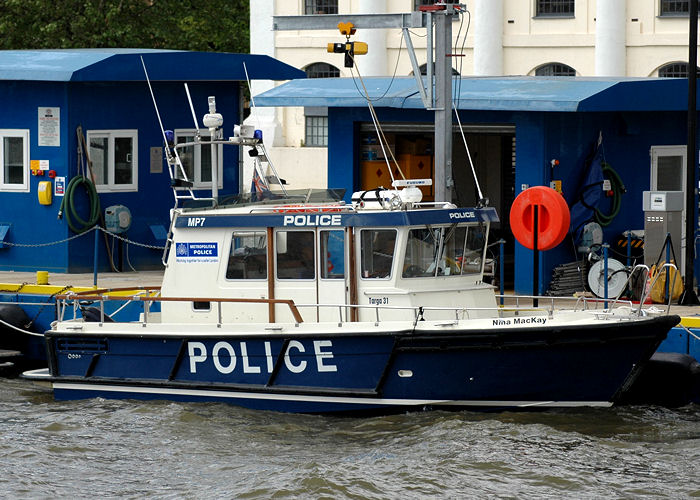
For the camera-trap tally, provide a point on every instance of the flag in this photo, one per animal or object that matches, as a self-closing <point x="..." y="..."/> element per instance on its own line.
<point x="589" y="194"/>
<point x="259" y="189"/>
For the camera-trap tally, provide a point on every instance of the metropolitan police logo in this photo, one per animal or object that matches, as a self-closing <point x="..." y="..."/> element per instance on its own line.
<point x="181" y="249"/>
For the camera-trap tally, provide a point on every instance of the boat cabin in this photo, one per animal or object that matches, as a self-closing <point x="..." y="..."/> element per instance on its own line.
<point x="326" y="255"/>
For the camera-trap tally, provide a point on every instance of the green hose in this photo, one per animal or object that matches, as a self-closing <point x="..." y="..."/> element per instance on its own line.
<point x="618" y="189"/>
<point x="68" y="205"/>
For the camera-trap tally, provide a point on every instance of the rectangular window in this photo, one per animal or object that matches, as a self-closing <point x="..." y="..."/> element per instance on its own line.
<point x="248" y="257"/>
<point x="114" y="157"/>
<point x="196" y="160"/>
<point x="377" y="252"/>
<point x="316" y="131"/>
<point x="677" y="8"/>
<point x="444" y="251"/>
<point x="14" y="160"/>
<point x="332" y="254"/>
<point x="312" y="7"/>
<point x="295" y="255"/>
<point x="554" y="8"/>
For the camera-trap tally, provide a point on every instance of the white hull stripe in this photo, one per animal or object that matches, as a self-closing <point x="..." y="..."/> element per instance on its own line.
<point x="322" y="399"/>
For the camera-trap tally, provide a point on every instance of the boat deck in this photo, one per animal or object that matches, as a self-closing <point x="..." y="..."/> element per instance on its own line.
<point x="10" y="281"/>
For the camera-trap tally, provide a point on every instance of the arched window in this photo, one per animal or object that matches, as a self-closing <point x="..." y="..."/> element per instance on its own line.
<point x="555" y="69"/>
<point x="674" y="70"/>
<point x="424" y="70"/>
<point x="321" y="70"/>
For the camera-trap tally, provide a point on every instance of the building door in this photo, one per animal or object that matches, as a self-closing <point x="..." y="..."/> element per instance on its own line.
<point x="668" y="173"/>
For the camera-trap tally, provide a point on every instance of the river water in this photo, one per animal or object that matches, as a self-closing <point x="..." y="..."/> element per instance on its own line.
<point x="130" y="449"/>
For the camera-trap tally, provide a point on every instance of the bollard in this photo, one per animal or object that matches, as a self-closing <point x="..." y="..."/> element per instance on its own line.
<point x="42" y="277"/>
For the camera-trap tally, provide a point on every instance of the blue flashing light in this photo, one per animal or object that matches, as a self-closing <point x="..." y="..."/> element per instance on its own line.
<point x="170" y="137"/>
<point x="257" y="135"/>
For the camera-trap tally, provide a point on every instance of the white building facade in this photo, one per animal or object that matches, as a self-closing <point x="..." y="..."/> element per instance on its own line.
<point x="637" y="38"/>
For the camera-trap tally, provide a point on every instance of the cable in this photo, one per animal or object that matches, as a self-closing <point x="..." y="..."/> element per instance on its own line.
<point x="365" y="95"/>
<point x="618" y="189"/>
<point x="75" y="222"/>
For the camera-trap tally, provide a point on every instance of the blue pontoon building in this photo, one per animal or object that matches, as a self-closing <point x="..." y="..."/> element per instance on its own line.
<point x="522" y="132"/>
<point x="53" y="99"/>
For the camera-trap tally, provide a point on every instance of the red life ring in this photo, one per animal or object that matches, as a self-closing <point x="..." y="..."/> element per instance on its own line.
<point x="552" y="220"/>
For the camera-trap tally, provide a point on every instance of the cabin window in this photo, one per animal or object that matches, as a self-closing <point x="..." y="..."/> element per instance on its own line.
<point x="248" y="258"/>
<point x="472" y="260"/>
<point x="295" y="255"/>
<point x="196" y="160"/>
<point x="14" y="160"/>
<point x="332" y="256"/>
<point x="377" y="252"/>
<point x="114" y="159"/>
<point x="443" y="251"/>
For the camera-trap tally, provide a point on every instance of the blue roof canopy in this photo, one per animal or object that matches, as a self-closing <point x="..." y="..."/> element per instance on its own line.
<point x="522" y="93"/>
<point x="100" y="65"/>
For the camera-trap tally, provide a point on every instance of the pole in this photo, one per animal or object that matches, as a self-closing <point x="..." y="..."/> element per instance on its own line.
<point x="629" y="248"/>
<point x="443" y="105"/>
<point x="668" y="260"/>
<point x="689" y="295"/>
<point x="502" y="268"/>
<point x="605" y="275"/>
<point x="536" y="257"/>
<point x="94" y="258"/>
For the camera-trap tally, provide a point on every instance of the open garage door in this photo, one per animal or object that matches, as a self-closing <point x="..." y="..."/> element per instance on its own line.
<point x="492" y="148"/>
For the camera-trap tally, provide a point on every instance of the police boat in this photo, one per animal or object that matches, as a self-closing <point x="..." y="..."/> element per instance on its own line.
<point x="301" y="302"/>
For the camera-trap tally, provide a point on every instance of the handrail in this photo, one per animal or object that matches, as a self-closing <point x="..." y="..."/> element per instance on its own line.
<point x="108" y="290"/>
<point x="646" y="293"/>
<point x="294" y="308"/>
<point x="219" y="300"/>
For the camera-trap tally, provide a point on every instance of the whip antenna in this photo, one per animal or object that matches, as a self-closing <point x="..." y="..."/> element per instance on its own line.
<point x="194" y="116"/>
<point x="471" y="163"/>
<point x="148" y="80"/>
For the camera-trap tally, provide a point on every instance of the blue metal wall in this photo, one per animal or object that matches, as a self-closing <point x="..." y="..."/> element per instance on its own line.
<point x="101" y="106"/>
<point x="540" y="137"/>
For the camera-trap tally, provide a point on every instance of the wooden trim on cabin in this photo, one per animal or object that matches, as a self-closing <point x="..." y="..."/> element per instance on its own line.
<point x="352" y="272"/>
<point x="271" y="273"/>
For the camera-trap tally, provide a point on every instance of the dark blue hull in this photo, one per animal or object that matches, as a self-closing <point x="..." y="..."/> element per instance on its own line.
<point x="492" y="369"/>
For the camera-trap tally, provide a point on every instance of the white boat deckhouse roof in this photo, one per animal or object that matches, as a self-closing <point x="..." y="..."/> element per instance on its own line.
<point x="517" y="93"/>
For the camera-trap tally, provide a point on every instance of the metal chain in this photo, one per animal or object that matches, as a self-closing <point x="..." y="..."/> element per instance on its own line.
<point x="49" y="301"/>
<point x="126" y="240"/>
<point x="94" y="228"/>
<point x="27" y="245"/>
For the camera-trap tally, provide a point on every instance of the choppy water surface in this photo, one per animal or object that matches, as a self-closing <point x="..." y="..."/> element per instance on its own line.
<point x="172" y="450"/>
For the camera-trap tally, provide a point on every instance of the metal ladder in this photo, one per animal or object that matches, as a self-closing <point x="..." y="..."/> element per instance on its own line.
<point x="182" y="190"/>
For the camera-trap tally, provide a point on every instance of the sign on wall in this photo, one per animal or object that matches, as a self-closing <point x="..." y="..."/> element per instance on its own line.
<point x="49" y="126"/>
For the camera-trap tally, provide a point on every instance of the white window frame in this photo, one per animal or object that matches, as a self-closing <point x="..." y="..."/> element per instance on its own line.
<point x="110" y="185"/>
<point x="24" y="134"/>
<point x="197" y="182"/>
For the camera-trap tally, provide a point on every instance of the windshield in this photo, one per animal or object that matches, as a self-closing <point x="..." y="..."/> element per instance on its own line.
<point x="444" y="251"/>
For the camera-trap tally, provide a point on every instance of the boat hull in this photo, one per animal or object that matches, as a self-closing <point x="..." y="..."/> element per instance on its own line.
<point x="495" y="368"/>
